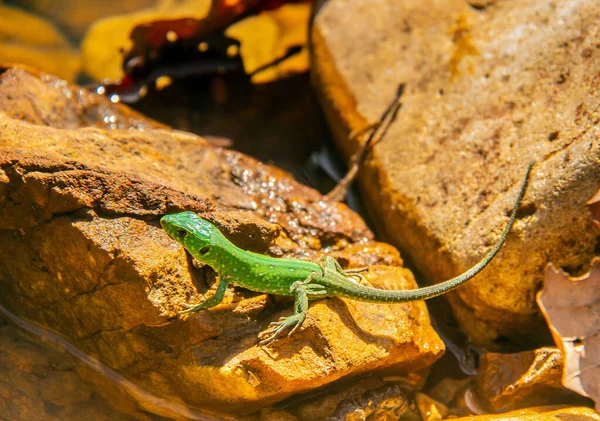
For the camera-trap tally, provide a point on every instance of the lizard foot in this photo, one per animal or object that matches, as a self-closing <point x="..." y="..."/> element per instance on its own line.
<point x="277" y="328"/>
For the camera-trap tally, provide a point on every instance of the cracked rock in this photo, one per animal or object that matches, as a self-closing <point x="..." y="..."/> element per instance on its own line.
<point x="82" y="253"/>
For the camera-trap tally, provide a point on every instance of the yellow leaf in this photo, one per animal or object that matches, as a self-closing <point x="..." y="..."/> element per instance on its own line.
<point x="104" y="42"/>
<point x="28" y="39"/>
<point x="268" y="36"/>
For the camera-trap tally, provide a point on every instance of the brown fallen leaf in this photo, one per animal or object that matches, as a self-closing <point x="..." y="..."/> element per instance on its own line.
<point x="571" y="307"/>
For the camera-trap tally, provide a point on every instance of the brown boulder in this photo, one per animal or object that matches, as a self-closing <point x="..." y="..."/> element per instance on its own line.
<point x="83" y="254"/>
<point x="489" y="88"/>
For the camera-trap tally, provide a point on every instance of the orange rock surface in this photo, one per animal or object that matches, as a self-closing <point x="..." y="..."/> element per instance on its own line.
<point x="84" y="184"/>
<point x="490" y="86"/>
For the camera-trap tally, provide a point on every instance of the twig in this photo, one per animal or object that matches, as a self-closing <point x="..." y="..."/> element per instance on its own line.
<point x="338" y="193"/>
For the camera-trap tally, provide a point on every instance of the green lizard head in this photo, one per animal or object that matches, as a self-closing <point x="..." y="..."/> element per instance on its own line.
<point x="192" y="232"/>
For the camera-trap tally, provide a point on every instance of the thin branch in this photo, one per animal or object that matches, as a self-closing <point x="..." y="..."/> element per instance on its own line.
<point x="338" y="193"/>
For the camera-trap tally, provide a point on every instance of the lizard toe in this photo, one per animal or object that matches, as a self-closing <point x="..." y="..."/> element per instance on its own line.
<point x="270" y="335"/>
<point x="278" y="328"/>
<point x="294" y="329"/>
<point x="266" y="341"/>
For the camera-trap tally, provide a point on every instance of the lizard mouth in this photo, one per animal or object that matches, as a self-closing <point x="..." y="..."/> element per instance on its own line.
<point x="170" y="225"/>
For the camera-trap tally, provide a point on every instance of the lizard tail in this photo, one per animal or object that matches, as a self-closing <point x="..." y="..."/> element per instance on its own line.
<point x="363" y="293"/>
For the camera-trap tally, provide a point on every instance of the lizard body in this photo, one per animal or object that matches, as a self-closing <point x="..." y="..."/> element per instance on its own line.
<point x="305" y="280"/>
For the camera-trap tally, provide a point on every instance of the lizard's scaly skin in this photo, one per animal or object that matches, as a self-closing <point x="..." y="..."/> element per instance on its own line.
<point x="300" y="278"/>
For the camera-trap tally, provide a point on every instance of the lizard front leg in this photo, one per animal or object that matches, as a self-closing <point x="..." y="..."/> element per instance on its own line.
<point x="209" y="302"/>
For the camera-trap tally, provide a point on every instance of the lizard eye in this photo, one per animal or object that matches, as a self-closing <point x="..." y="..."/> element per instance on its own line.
<point x="204" y="250"/>
<point x="182" y="233"/>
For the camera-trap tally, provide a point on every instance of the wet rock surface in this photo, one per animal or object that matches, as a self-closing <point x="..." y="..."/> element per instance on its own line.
<point x="490" y="86"/>
<point x="429" y="408"/>
<point x="82" y="254"/>
<point x="46" y="100"/>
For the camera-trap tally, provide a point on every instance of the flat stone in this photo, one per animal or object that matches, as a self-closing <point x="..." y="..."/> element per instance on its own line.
<point x="490" y="87"/>
<point x="82" y="253"/>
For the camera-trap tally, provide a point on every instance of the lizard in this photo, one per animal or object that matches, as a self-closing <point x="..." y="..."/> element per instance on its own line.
<point x="303" y="279"/>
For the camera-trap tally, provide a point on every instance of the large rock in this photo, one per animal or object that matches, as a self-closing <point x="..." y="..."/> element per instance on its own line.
<point x="490" y="86"/>
<point x="83" y="183"/>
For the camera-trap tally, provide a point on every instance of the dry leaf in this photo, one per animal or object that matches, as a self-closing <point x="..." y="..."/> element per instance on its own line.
<point x="106" y="39"/>
<point x="31" y="40"/>
<point x="571" y="307"/>
<point x="265" y="37"/>
<point x="270" y="35"/>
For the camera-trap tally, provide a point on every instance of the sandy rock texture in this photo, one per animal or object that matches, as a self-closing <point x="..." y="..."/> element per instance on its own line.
<point x="490" y="86"/>
<point x="83" y="183"/>
<point x="541" y="413"/>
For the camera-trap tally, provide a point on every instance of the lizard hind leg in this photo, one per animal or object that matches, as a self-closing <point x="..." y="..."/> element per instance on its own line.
<point x="300" y="308"/>
<point x="303" y="291"/>
<point x="328" y="262"/>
